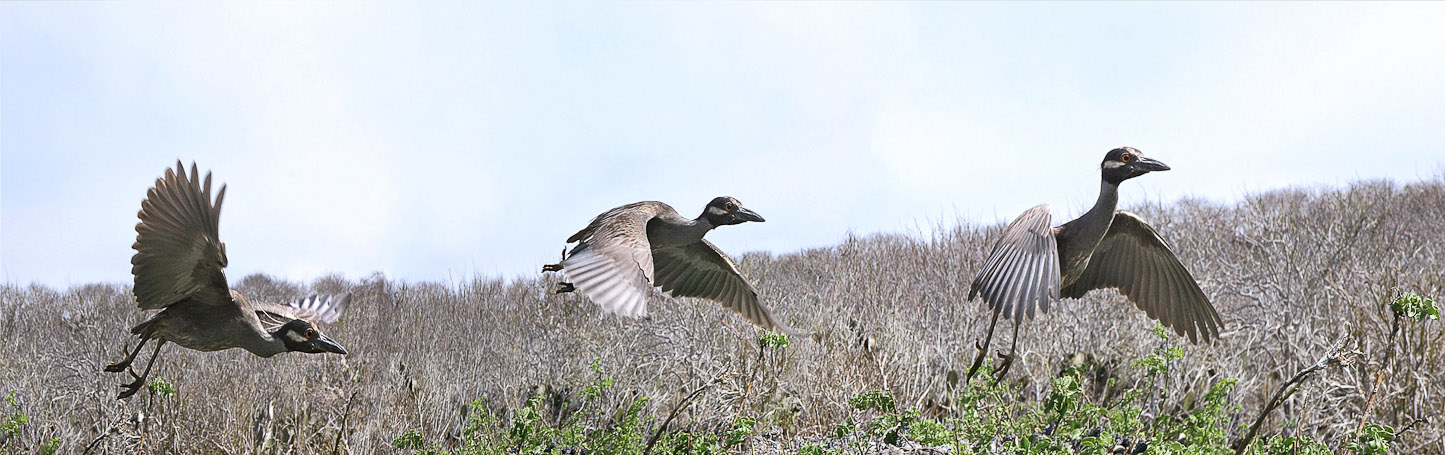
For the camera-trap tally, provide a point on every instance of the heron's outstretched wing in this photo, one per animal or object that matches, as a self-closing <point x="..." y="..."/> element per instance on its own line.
<point x="179" y="254"/>
<point x="315" y="308"/>
<point x="1021" y="275"/>
<point x="1135" y="260"/>
<point x="612" y="263"/>
<point x="700" y="269"/>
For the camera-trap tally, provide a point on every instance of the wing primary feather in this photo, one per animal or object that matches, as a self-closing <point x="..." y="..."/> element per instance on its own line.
<point x="1192" y="301"/>
<point x="1157" y="291"/>
<point x="1029" y="281"/>
<point x="728" y="294"/>
<point x="687" y="281"/>
<point x="1036" y="275"/>
<point x="1010" y="284"/>
<point x="996" y="285"/>
<point x="1145" y="296"/>
<point x="1182" y="300"/>
<point x="1024" y="281"/>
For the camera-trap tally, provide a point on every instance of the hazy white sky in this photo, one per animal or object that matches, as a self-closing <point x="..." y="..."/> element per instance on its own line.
<point x="436" y="141"/>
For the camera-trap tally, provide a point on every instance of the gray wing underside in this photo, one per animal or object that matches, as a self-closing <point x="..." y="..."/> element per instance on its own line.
<point x="315" y="308"/>
<point x="701" y="270"/>
<point x="612" y="263"/>
<point x="1135" y="260"/>
<point x="1021" y="275"/>
<point x="325" y="308"/>
<point x="179" y="255"/>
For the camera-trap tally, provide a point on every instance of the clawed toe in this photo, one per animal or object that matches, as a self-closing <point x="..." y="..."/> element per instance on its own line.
<point x="128" y="389"/>
<point x="565" y="287"/>
<point x="558" y="266"/>
<point x="1007" y="360"/>
<point x="132" y="387"/>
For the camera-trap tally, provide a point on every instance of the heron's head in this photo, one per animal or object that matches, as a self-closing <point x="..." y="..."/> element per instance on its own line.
<point x="1125" y="163"/>
<point x="302" y="336"/>
<point x="725" y="210"/>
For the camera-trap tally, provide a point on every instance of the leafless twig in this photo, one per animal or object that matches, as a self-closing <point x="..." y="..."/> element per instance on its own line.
<point x="1380" y="377"/>
<point x="673" y="414"/>
<point x="1336" y="356"/>
<point x="113" y="428"/>
<point x="336" y="446"/>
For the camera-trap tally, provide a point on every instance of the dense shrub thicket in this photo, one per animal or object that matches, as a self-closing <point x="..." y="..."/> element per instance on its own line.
<point x="490" y="365"/>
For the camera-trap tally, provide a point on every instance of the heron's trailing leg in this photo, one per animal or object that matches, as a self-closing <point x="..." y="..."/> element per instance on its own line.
<point x="563" y="287"/>
<point x="982" y="349"/>
<point x="1007" y="359"/>
<point x="123" y="364"/>
<point x="558" y="266"/>
<point x="130" y="389"/>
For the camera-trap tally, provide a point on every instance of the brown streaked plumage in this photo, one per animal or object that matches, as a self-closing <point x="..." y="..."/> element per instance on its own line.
<point x="624" y="252"/>
<point x="1033" y="264"/>
<point x="179" y="269"/>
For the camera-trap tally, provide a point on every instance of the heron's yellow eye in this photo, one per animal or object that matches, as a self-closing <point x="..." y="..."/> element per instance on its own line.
<point x="730" y="206"/>
<point x="310" y="334"/>
<point x="1126" y="157"/>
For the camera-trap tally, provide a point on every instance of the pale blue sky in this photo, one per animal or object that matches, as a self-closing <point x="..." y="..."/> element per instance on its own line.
<point x="436" y="141"/>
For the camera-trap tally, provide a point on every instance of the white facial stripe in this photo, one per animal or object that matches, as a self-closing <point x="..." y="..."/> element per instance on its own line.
<point x="295" y="336"/>
<point x="1111" y="164"/>
<point x="716" y="211"/>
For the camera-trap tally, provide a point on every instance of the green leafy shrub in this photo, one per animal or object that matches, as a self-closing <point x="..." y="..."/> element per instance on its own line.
<point x="161" y="388"/>
<point x="1410" y="305"/>
<point x="930" y="433"/>
<point x="774" y="339"/>
<point x="741" y="430"/>
<point x="15" y="418"/>
<point x="49" y="447"/>
<point x="1292" y="446"/>
<point x="411" y="439"/>
<point x="815" y="449"/>
<point x="985" y="418"/>
<point x="878" y="400"/>
<point x="1374" y="440"/>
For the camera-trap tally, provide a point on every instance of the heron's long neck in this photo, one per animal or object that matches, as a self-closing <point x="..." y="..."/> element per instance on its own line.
<point x="672" y="231"/>
<point x="265" y="345"/>
<point x="1108" y="200"/>
<point x="1098" y="219"/>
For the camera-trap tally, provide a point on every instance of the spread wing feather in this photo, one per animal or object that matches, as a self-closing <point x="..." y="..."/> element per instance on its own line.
<point x="1135" y="260"/>
<point x="179" y="254"/>
<point x="324" y="308"/>
<point x="1021" y="275"/>
<point x="612" y="263"/>
<point x="701" y="270"/>
<point x="615" y="265"/>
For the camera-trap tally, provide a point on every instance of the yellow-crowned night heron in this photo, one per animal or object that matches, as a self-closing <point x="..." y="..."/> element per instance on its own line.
<point x="1033" y="264"/>
<point x="624" y="252"/>
<point x="179" y="269"/>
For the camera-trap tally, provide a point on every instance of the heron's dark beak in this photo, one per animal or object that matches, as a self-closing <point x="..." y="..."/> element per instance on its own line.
<point x="1150" y="164"/>
<point x="325" y="343"/>
<point x="747" y="215"/>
